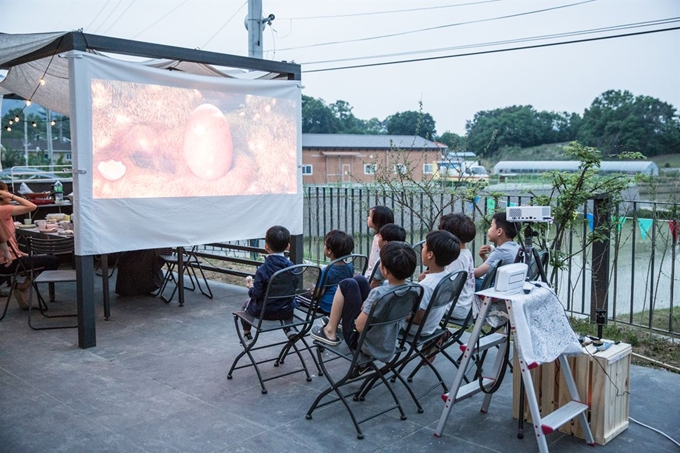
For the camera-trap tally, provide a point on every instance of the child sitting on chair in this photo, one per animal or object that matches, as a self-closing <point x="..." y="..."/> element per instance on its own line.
<point x="501" y="233"/>
<point x="441" y="248"/>
<point x="276" y="241"/>
<point x="465" y="230"/>
<point x="387" y="233"/>
<point x="353" y="301"/>
<point x="337" y="244"/>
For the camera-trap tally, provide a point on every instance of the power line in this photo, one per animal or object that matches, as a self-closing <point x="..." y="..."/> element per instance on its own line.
<point x="507" y="41"/>
<point x="97" y="16"/>
<point x="536" y="46"/>
<point x="373" y="13"/>
<point x="225" y="24"/>
<point x="161" y="18"/>
<point x="119" y="17"/>
<point x="108" y="15"/>
<point x="439" y="27"/>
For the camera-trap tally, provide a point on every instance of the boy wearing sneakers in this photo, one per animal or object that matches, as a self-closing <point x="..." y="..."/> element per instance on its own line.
<point x="464" y="229"/>
<point x="353" y="301"/>
<point x="276" y="241"/>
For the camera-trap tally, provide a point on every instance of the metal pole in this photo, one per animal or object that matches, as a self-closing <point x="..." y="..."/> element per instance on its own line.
<point x="254" y="26"/>
<point x="48" y="136"/>
<point x="26" y="140"/>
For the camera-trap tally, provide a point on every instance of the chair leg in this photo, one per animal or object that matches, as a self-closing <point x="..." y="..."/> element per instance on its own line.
<point x="41" y="303"/>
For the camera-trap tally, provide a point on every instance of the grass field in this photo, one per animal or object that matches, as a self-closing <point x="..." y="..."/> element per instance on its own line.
<point x="668" y="160"/>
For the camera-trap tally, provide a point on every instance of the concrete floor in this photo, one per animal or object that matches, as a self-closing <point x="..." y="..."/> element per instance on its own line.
<point x="157" y="382"/>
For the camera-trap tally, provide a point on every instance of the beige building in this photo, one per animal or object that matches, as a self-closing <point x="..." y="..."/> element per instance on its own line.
<point x="347" y="159"/>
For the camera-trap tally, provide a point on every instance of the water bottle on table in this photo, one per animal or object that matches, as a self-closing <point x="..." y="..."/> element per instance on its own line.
<point x="58" y="192"/>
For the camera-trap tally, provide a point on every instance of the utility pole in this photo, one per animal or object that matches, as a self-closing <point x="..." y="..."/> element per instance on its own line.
<point x="255" y="24"/>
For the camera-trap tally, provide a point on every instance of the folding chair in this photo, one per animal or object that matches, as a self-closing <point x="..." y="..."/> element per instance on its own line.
<point x="385" y="317"/>
<point x="19" y="271"/>
<point x="423" y="346"/>
<point x="49" y="246"/>
<point x="191" y="263"/>
<point x="310" y="303"/>
<point x="284" y="284"/>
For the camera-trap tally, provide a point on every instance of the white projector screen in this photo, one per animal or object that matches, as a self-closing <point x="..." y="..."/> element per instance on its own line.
<point x="164" y="159"/>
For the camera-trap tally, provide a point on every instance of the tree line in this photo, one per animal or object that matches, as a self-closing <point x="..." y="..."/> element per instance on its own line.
<point x="616" y="122"/>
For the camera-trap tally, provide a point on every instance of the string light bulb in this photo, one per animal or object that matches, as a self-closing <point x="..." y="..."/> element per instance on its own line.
<point x="11" y="122"/>
<point x="53" y="123"/>
<point x="28" y="102"/>
<point x="42" y="81"/>
<point x="34" y="124"/>
<point x="8" y="129"/>
<point x="16" y="119"/>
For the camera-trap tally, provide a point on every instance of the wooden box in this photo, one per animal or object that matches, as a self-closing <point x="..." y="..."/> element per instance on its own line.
<point x="602" y="380"/>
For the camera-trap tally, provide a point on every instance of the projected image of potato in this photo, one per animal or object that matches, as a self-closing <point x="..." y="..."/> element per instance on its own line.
<point x="208" y="147"/>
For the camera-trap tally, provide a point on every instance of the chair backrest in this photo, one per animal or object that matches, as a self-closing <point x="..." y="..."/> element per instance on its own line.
<point x="358" y="262"/>
<point x="385" y="318"/>
<point x="376" y="268"/>
<point x="418" y="247"/>
<point x="490" y="276"/>
<point x="458" y="280"/>
<point x="448" y="288"/>
<point x="50" y="246"/>
<point x="287" y="283"/>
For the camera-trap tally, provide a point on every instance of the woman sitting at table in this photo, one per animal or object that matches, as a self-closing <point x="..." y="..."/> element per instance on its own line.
<point x="10" y="255"/>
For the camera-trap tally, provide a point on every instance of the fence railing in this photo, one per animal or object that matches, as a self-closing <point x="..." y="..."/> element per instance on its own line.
<point x="641" y="266"/>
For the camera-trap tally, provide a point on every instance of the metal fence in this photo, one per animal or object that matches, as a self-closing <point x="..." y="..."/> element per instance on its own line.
<point x="641" y="263"/>
<point x="638" y="265"/>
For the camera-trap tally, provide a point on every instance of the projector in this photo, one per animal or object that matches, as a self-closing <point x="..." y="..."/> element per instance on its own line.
<point x="528" y="214"/>
<point x="511" y="277"/>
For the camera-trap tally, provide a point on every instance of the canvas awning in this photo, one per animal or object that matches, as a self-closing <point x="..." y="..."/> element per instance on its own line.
<point x="24" y="73"/>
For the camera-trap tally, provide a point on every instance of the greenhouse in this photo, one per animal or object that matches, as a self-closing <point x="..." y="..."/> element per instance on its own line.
<point x="508" y="167"/>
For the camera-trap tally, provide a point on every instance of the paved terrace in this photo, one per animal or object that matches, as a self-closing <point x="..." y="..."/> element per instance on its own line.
<point x="157" y="382"/>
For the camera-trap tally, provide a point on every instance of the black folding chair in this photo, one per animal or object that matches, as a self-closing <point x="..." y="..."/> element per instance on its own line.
<point x="55" y="246"/>
<point x="308" y="303"/>
<point x="385" y="317"/>
<point x="284" y="284"/>
<point x="190" y="263"/>
<point x="425" y="346"/>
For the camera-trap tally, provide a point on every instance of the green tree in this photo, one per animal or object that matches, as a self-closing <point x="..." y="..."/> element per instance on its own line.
<point x="411" y="122"/>
<point x="318" y="118"/>
<point x="518" y="126"/>
<point x="454" y="141"/>
<point x="618" y="121"/>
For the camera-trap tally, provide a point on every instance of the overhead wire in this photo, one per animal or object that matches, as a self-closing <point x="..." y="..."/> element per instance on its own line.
<point x="97" y="16"/>
<point x="119" y="17"/>
<point x="108" y="16"/>
<point x="487" y="52"/>
<point x="373" y="13"/>
<point x="506" y="41"/>
<point x="225" y="24"/>
<point x="438" y="27"/>
<point x="161" y="18"/>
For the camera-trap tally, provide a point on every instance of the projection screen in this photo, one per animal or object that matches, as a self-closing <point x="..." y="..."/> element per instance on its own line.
<point x="164" y="159"/>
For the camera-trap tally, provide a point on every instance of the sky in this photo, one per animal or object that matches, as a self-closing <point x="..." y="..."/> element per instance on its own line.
<point x="326" y="37"/>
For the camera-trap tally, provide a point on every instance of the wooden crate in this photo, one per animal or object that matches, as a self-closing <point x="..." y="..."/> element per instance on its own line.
<point x="602" y="380"/>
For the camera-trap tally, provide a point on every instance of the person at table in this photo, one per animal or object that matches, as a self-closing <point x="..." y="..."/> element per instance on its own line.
<point x="12" y="257"/>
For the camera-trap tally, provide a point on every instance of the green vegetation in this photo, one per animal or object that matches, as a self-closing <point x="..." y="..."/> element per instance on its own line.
<point x="667" y="160"/>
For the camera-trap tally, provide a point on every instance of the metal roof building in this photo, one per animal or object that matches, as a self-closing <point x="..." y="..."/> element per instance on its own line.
<point x="505" y="167"/>
<point x="368" y="142"/>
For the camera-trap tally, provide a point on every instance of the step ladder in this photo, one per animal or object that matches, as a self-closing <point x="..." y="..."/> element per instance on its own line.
<point x="542" y="425"/>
